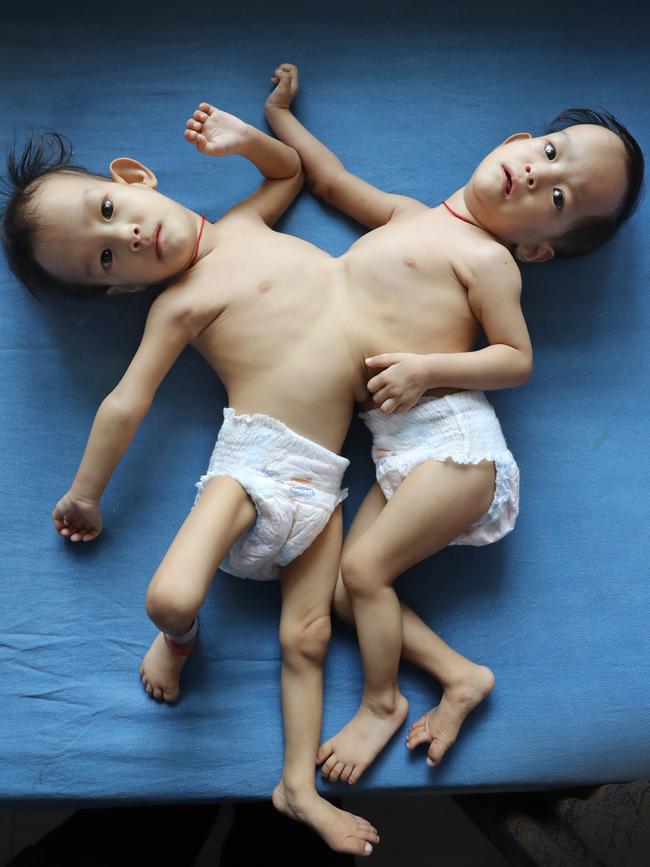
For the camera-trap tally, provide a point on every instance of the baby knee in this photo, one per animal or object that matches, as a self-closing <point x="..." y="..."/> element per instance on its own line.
<point x="358" y="573"/>
<point x="172" y="611"/>
<point x="306" y="640"/>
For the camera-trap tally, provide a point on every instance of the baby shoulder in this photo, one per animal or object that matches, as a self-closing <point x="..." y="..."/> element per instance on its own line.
<point x="492" y="270"/>
<point x="182" y="307"/>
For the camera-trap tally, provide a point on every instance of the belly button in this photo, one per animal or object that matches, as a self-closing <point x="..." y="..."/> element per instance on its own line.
<point x="409" y="262"/>
<point x="264" y="286"/>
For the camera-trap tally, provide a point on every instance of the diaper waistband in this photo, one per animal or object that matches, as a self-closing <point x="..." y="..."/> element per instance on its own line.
<point x="274" y="444"/>
<point x="462" y="426"/>
<point x="427" y="407"/>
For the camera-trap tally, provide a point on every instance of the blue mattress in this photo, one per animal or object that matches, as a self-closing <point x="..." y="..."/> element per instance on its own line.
<point x="411" y="97"/>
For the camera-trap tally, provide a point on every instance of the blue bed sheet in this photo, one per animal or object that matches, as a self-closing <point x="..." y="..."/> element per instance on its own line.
<point x="411" y="97"/>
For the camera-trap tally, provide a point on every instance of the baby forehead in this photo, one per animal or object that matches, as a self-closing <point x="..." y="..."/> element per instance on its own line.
<point x="69" y="186"/>
<point x="591" y="135"/>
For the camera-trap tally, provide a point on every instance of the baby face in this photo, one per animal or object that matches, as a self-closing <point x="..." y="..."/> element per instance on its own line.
<point x="119" y="233"/>
<point x="531" y="190"/>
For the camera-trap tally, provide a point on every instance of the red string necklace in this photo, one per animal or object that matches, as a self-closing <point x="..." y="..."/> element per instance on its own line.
<point x="198" y="241"/>
<point x="471" y="222"/>
<point x="465" y="220"/>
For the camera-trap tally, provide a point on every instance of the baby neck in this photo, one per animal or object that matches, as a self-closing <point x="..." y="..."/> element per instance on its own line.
<point x="457" y="203"/>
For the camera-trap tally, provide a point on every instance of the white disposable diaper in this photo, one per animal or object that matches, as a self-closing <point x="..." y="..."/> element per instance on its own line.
<point x="294" y="483"/>
<point x="462" y="426"/>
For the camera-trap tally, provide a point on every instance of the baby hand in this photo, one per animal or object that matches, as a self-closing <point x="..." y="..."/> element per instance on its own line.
<point x="78" y="519"/>
<point x="215" y="132"/>
<point x="400" y="385"/>
<point x="286" y="78"/>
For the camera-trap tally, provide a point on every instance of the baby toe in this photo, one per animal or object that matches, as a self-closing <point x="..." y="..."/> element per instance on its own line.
<point x="335" y="773"/>
<point x="354" y="776"/>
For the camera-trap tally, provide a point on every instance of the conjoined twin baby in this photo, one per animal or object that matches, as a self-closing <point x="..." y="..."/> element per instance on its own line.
<point x="298" y="338"/>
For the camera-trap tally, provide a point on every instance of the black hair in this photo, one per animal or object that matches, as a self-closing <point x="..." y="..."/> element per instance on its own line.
<point x="49" y="155"/>
<point x="590" y="232"/>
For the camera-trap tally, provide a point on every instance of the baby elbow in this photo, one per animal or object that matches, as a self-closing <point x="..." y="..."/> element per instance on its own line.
<point x="527" y="370"/>
<point x="300" y="171"/>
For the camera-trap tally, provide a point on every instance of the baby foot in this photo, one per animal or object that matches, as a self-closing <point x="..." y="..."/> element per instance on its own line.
<point x="215" y="132"/>
<point x="286" y="79"/>
<point x="161" y="669"/>
<point x="439" y="727"/>
<point x="355" y="747"/>
<point x="342" y="831"/>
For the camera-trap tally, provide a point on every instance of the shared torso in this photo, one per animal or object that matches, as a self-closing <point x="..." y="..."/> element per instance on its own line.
<point x="287" y="327"/>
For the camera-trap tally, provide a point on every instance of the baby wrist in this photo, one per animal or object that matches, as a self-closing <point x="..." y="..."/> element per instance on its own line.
<point x="425" y="373"/>
<point x="84" y="494"/>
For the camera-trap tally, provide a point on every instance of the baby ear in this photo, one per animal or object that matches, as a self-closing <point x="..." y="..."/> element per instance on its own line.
<point x="535" y="253"/>
<point x="517" y="135"/>
<point x="125" y="170"/>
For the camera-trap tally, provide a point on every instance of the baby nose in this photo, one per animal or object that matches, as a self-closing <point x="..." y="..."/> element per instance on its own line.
<point x="134" y="237"/>
<point x="532" y="177"/>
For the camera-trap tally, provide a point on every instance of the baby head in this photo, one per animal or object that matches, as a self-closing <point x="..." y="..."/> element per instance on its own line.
<point x="71" y="230"/>
<point x="563" y="193"/>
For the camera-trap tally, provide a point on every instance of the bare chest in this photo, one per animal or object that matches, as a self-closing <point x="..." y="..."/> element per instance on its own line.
<point x="407" y="285"/>
<point x="256" y="279"/>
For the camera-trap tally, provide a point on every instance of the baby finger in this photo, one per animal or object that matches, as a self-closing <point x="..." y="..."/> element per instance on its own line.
<point x="382" y="395"/>
<point x="376" y="382"/>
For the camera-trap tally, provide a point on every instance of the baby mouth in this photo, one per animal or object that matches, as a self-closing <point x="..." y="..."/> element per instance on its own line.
<point x="156" y="242"/>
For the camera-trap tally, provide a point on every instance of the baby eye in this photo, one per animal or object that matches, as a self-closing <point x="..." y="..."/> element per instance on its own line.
<point x="558" y="198"/>
<point x="106" y="258"/>
<point x="546" y="147"/>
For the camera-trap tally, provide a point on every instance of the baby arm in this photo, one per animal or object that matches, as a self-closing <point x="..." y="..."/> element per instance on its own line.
<point x="216" y="133"/>
<point x="325" y="174"/>
<point x="494" y="296"/>
<point x="77" y="514"/>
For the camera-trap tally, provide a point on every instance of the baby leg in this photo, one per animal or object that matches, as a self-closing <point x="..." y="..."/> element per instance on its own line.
<point x="307" y="591"/>
<point x="432" y="506"/>
<point x="178" y="588"/>
<point x="465" y="684"/>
